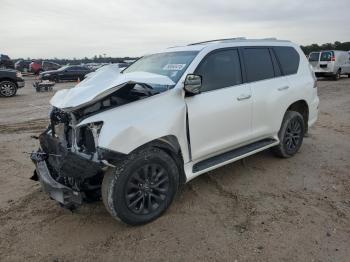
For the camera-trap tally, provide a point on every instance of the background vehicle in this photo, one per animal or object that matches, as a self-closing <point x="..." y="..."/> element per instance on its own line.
<point x="10" y="81"/>
<point x="65" y="73"/>
<point x="134" y="137"/>
<point x="46" y="66"/>
<point x="332" y="63"/>
<point x="23" y="65"/>
<point x="6" y="62"/>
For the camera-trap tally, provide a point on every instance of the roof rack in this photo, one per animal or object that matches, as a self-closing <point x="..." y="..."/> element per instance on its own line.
<point x="219" y="40"/>
<point x="237" y="39"/>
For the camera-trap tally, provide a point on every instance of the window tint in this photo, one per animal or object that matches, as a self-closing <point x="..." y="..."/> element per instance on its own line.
<point x="313" y="57"/>
<point x="288" y="58"/>
<point x="326" y="56"/>
<point x="220" y="69"/>
<point x="258" y="64"/>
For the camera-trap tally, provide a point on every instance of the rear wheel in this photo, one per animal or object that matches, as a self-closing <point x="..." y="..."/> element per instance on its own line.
<point x="8" y="88"/>
<point x="336" y="77"/>
<point x="142" y="187"/>
<point x="290" y="135"/>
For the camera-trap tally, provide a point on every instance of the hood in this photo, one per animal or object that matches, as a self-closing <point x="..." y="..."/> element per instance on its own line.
<point x="101" y="84"/>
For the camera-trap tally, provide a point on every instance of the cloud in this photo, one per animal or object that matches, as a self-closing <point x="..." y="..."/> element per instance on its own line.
<point x="131" y="28"/>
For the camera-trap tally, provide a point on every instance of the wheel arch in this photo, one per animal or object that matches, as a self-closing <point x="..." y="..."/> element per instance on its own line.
<point x="8" y="79"/>
<point x="302" y="107"/>
<point x="170" y="145"/>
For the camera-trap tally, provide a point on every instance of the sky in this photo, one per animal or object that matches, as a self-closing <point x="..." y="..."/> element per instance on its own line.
<point x="118" y="28"/>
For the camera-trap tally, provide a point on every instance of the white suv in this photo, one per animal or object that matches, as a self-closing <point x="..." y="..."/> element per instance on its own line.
<point x="132" y="138"/>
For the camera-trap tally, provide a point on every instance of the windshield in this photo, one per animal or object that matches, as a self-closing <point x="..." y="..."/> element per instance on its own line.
<point x="314" y="57"/>
<point x="326" y="56"/>
<point x="172" y="64"/>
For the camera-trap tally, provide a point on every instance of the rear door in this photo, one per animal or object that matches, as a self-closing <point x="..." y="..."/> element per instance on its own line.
<point x="219" y="118"/>
<point x="314" y="58"/>
<point x="269" y="90"/>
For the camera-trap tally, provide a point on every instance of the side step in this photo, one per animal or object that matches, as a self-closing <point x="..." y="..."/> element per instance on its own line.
<point x="215" y="160"/>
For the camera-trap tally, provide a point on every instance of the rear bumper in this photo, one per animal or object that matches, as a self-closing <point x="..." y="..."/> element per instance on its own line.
<point x="61" y="193"/>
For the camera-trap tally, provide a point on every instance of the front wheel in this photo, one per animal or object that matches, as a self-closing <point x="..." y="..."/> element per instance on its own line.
<point x="142" y="186"/>
<point x="290" y="135"/>
<point x="8" y="88"/>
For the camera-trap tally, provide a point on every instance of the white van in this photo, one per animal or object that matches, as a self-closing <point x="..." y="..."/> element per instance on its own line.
<point x="332" y="63"/>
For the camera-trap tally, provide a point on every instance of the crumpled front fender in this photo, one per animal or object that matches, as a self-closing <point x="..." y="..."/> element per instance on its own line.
<point x="130" y="126"/>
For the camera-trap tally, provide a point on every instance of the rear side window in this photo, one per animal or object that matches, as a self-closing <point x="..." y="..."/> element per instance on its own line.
<point x="313" y="57"/>
<point x="220" y="69"/>
<point x="327" y="56"/>
<point x="288" y="58"/>
<point x="258" y="64"/>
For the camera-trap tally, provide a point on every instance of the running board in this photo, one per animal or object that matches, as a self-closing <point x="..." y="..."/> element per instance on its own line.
<point x="216" y="160"/>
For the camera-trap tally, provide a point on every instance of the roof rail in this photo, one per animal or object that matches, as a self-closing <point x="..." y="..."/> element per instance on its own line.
<point x="238" y="39"/>
<point x="219" y="40"/>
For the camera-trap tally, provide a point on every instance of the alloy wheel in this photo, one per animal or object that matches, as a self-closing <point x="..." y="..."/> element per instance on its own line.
<point x="293" y="135"/>
<point x="7" y="88"/>
<point x="147" y="189"/>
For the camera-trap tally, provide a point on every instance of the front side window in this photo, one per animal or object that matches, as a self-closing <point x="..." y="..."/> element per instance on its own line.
<point x="258" y="64"/>
<point x="220" y="69"/>
<point x="171" y="64"/>
<point x="313" y="57"/>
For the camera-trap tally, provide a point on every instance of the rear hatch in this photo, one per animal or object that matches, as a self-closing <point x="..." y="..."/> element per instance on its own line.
<point x="322" y="61"/>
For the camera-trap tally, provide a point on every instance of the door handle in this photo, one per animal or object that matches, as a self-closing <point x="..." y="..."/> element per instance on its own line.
<point x="244" y="97"/>
<point x="282" y="88"/>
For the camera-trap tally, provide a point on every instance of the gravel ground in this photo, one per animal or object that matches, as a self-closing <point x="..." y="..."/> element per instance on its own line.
<point x="259" y="209"/>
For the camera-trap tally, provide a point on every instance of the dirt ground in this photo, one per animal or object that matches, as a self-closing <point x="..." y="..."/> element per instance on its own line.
<point x="260" y="209"/>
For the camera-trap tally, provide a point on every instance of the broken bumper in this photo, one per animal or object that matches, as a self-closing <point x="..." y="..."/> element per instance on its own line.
<point x="61" y="193"/>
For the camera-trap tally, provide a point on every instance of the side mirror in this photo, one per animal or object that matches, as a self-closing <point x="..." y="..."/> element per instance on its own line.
<point x="193" y="84"/>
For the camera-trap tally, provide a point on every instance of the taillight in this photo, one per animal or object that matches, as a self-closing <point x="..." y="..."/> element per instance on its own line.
<point x="333" y="58"/>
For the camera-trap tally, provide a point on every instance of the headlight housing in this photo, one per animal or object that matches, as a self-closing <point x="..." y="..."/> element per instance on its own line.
<point x="87" y="137"/>
<point x="18" y="74"/>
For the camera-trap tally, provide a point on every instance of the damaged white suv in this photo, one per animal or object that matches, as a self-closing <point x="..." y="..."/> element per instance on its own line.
<point x="132" y="138"/>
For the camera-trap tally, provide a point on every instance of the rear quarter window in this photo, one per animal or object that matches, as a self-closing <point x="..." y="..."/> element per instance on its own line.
<point x="289" y="59"/>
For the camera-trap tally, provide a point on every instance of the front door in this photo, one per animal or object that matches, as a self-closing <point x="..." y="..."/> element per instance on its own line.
<point x="220" y="117"/>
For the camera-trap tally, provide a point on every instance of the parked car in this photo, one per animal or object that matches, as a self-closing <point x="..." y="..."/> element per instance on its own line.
<point x="23" y="65"/>
<point x="36" y="67"/>
<point x="47" y="66"/>
<point x="134" y="137"/>
<point x="10" y="81"/>
<point x="65" y="73"/>
<point x="6" y="62"/>
<point x="331" y="63"/>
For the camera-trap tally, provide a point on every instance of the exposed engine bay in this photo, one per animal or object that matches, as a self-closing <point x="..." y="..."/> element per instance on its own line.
<point x="71" y="153"/>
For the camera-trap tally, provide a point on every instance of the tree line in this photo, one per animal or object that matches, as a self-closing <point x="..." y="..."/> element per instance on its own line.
<point x="345" y="46"/>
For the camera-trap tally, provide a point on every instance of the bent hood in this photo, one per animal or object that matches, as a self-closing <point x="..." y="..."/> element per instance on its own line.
<point x="101" y="84"/>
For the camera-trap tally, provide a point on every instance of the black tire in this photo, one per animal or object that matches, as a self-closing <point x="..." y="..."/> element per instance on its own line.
<point x="290" y="135"/>
<point x="8" y="88"/>
<point x="336" y="77"/>
<point x="142" y="186"/>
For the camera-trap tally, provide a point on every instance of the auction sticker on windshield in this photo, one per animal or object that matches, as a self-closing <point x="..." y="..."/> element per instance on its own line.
<point x="174" y="67"/>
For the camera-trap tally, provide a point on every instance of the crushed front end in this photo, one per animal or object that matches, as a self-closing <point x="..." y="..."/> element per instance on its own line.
<point x="68" y="163"/>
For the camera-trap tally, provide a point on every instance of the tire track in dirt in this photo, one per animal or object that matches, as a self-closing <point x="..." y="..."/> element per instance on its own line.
<point x="32" y="126"/>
